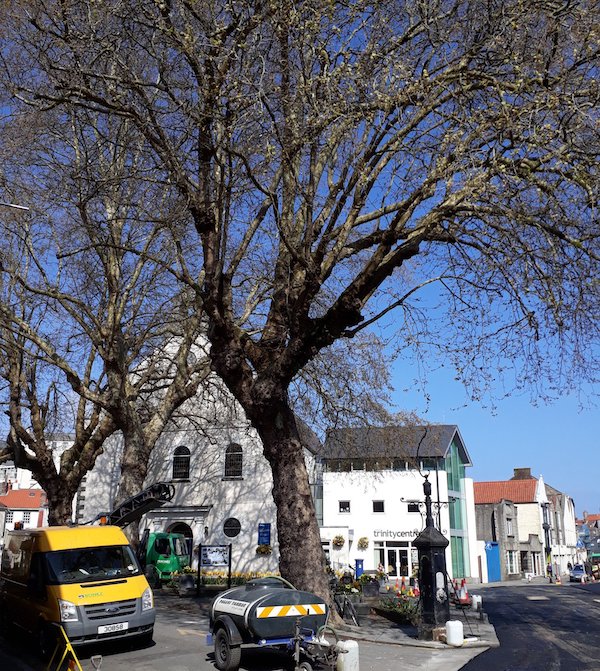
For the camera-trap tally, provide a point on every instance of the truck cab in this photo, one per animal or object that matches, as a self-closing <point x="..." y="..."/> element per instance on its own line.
<point x="167" y="552"/>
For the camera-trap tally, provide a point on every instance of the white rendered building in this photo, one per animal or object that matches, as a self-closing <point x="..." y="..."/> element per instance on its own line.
<point x="373" y="501"/>
<point x="213" y="458"/>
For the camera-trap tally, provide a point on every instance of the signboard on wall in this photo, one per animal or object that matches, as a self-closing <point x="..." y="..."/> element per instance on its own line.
<point x="215" y="555"/>
<point x="264" y="533"/>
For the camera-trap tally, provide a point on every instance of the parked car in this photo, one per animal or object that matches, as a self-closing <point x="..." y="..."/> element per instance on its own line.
<point x="578" y="574"/>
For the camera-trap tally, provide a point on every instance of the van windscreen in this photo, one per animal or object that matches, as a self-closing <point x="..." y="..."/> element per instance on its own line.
<point x="89" y="564"/>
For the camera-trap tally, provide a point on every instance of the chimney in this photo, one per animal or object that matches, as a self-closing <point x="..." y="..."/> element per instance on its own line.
<point x="522" y="474"/>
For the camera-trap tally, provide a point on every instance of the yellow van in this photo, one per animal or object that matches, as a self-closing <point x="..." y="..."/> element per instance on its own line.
<point x="85" y="578"/>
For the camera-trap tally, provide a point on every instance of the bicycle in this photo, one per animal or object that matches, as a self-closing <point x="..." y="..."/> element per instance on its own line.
<point x="345" y="606"/>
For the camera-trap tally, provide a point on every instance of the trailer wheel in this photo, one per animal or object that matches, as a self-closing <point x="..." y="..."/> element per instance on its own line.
<point x="227" y="657"/>
<point x="305" y="666"/>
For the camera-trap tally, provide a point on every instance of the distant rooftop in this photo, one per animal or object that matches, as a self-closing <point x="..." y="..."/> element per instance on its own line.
<point x="517" y="491"/>
<point x="24" y="499"/>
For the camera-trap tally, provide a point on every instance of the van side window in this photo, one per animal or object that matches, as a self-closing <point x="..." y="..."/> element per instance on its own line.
<point x="16" y="557"/>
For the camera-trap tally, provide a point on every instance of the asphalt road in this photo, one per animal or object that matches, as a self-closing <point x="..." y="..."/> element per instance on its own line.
<point x="542" y="628"/>
<point x="180" y="645"/>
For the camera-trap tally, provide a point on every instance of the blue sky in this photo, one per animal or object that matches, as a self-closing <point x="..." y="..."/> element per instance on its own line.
<point x="559" y="441"/>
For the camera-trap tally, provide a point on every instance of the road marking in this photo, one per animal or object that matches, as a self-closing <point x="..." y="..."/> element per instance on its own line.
<point x="597" y="600"/>
<point x="538" y="598"/>
<point x="190" y="632"/>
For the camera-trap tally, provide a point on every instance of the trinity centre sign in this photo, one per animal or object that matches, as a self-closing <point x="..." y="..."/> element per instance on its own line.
<point x="390" y="534"/>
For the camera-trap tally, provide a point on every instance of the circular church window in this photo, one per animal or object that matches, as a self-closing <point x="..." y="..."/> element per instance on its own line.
<point x="232" y="527"/>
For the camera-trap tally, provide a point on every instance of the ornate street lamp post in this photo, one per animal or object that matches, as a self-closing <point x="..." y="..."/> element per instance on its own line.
<point x="433" y="580"/>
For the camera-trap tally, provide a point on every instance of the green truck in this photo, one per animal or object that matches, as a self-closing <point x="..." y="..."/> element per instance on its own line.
<point x="163" y="554"/>
<point x="160" y="553"/>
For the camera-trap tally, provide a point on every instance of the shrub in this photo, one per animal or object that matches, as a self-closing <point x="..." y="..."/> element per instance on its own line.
<point x="219" y="577"/>
<point x="400" y="609"/>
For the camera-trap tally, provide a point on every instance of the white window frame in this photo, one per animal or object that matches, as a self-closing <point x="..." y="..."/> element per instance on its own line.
<point x="512" y="562"/>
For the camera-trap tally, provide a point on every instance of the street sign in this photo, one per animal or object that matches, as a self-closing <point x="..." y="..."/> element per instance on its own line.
<point x="264" y="533"/>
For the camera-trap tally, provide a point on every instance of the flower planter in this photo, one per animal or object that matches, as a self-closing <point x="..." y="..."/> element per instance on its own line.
<point x="370" y="589"/>
<point x="394" y="616"/>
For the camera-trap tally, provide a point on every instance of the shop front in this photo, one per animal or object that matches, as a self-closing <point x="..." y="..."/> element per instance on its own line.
<point x="398" y="558"/>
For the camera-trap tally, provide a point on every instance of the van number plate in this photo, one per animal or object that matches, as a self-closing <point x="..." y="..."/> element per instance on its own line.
<point x="110" y="628"/>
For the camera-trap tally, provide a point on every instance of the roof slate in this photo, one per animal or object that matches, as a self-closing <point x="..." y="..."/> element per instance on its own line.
<point x="517" y="491"/>
<point x="391" y="441"/>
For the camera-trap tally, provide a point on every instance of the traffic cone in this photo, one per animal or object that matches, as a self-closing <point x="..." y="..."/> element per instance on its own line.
<point x="466" y="596"/>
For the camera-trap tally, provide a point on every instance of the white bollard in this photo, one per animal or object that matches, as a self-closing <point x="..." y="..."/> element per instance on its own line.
<point x="476" y="602"/>
<point x="454" y="633"/>
<point x="348" y="660"/>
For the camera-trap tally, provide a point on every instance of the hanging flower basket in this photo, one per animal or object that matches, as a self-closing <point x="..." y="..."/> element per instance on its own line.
<point x="338" y="541"/>
<point x="264" y="550"/>
<point x="363" y="543"/>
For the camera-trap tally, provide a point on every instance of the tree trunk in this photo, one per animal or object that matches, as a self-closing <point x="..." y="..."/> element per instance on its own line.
<point x="134" y="468"/>
<point x="60" y="503"/>
<point x="301" y="559"/>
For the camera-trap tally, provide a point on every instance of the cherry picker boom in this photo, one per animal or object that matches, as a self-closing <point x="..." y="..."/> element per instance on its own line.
<point x="133" y="508"/>
<point x="160" y="553"/>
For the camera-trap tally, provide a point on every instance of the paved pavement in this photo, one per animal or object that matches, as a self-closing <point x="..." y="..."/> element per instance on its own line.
<point x="383" y="645"/>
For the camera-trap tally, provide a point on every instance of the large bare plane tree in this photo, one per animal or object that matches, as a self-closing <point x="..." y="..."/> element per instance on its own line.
<point x="95" y="336"/>
<point x="340" y="161"/>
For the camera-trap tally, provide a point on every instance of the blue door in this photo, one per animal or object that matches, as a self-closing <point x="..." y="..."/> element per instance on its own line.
<point x="492" y="555"/>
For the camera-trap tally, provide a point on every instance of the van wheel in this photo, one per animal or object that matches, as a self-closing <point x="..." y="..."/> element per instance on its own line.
<point x="227" y="658"/>
<point x="46" y="640"/>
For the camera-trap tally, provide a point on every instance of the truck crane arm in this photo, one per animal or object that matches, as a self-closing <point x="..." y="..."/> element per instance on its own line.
<point x="133" y="508"/>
